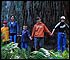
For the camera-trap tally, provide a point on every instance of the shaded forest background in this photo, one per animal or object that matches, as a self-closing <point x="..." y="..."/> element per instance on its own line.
<point x="25" y="12"/>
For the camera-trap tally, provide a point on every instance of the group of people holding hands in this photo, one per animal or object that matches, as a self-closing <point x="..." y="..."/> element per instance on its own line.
<point x="10" y="31"/>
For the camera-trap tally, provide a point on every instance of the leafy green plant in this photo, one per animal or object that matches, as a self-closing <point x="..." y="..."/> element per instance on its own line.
<point x="48" y="54"/>
<point x="12" y="51"/>
<point x="65" y="54"/>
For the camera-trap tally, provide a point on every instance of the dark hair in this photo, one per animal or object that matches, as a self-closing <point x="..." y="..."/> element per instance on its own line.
<point x="38" y="18"/>
<point x="25" y="24"/>
<point x="12" y="15"/>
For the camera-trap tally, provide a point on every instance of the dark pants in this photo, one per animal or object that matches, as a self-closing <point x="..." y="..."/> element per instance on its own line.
<point x="38" y="42"/>
<point x="13" y="37"/>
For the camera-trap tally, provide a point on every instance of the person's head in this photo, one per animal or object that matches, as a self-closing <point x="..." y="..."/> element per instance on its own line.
<point x="62" y="18"/>
<point x="38" y="19"/>
<point x="4" y="23"/>
<point x="24" y="27"/>
<point x="12" y="18"/>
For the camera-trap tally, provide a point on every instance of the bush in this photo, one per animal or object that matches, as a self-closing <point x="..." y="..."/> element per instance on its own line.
<point x="12" y="51"/>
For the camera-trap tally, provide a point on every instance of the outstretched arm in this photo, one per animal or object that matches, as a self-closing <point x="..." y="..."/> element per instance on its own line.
<point x="33" y="31"/>
<point x="67" y="25"/>
<point x="47" y="30"/>
<point x="55" y="27"/>
<point x="28" y="33"/>
<point x="17" y="28"/>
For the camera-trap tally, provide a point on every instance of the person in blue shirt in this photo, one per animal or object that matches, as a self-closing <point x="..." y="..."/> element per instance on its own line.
<point x="25" y="37"/>
<point x="13" y="27"/>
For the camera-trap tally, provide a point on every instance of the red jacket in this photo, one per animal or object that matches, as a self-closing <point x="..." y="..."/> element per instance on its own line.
<point x="39" y="29"/>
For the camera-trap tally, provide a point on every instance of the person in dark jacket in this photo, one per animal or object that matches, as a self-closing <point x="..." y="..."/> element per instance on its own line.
<point x="13" y="27"/>
<point x="61" y="40"/>
<point x="25" y="37"/>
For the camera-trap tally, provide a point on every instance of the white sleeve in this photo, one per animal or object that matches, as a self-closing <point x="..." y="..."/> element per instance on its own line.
<point x="56" y="26"/>
<point x="67" y="25"/>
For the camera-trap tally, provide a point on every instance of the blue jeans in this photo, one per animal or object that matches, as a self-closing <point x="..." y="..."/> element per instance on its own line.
<point x="24" y="42"/>
<point x="61" y="41"/>
<point x="13" y="37"/>
<point x="24" y="45"/>
<point x="38" y="40"/>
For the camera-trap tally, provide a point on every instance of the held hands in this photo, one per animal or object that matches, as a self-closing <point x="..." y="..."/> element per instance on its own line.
<point x="51" y="34"/>
<point x="30" y="38"/>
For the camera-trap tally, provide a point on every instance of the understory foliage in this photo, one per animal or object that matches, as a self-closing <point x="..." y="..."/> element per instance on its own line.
<point x="12" y="51"/>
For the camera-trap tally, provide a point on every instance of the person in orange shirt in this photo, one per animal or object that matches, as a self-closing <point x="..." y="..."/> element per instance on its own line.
<point x="38" y="33"/>
<point x="5" y="33"/>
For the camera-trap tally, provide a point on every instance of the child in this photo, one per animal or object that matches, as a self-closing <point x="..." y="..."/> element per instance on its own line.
<point x="5" y="32"/>
<point x="25" y="37"/>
